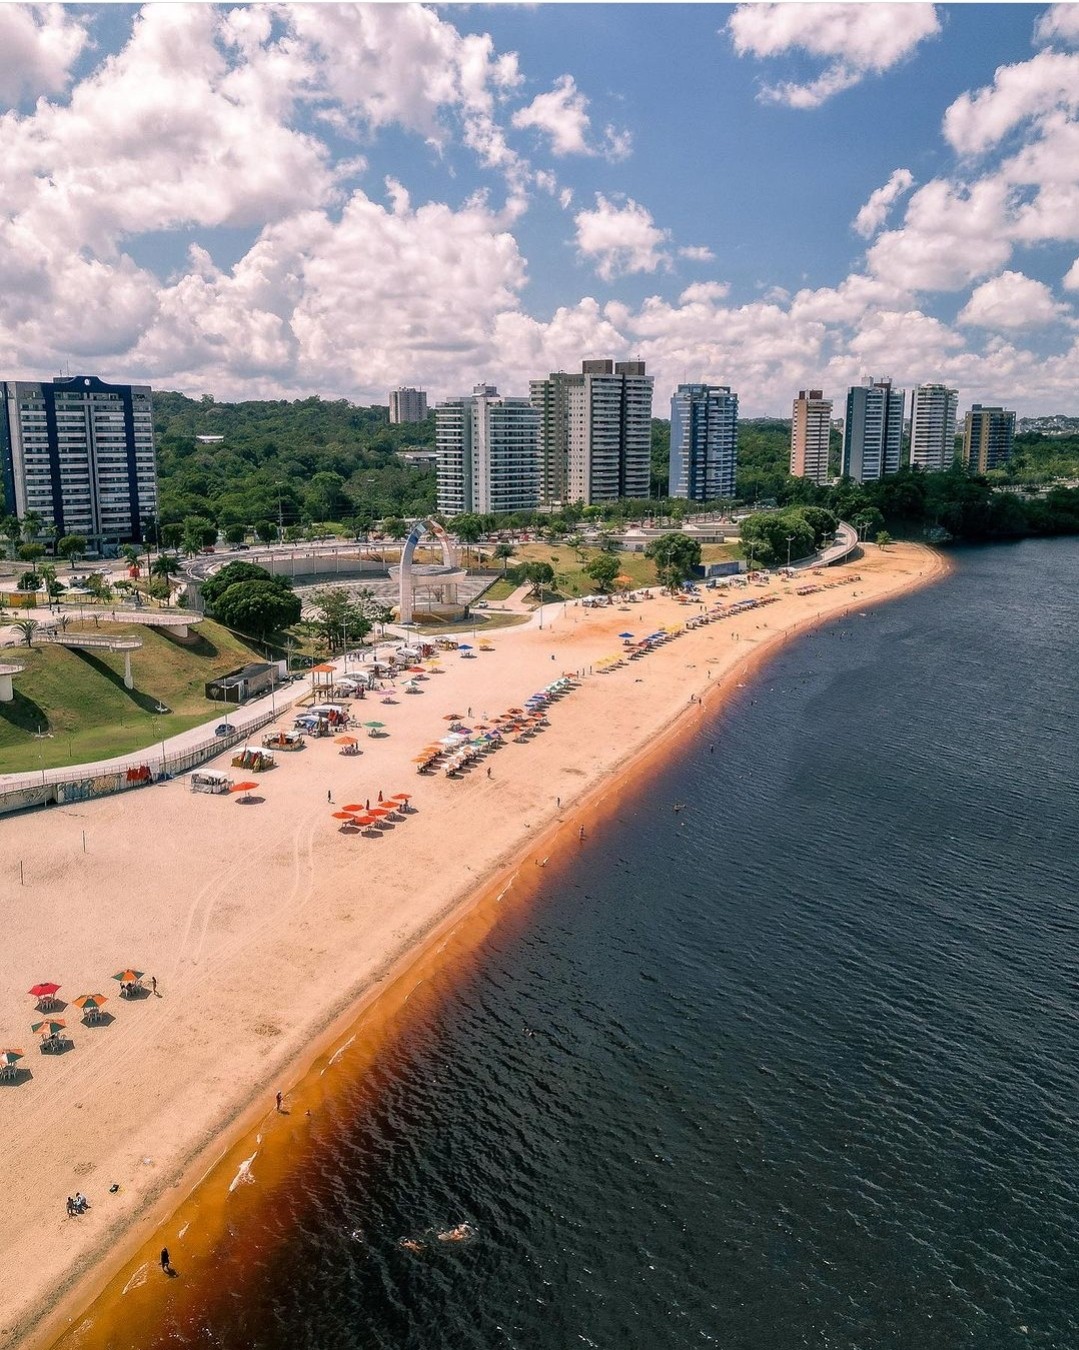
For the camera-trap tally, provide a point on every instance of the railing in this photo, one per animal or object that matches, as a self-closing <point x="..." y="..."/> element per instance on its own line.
<point x="154" y="764"/>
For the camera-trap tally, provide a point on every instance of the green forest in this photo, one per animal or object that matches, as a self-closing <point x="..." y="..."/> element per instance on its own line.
<point x="295" y="464"/>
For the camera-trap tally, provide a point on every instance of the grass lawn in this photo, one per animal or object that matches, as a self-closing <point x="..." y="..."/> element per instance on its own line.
<point x="79" y="699"/>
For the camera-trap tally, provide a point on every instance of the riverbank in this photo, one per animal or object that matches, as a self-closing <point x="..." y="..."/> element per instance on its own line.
<point x="265" y="926"/>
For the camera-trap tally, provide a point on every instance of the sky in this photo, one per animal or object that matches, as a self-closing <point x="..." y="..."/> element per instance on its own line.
<point x="275" y="201"/>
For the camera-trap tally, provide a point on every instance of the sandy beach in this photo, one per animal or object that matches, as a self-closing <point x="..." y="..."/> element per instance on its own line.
<point x="268" y="930"/>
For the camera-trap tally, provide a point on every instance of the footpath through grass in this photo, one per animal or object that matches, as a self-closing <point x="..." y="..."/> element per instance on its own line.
<point x="78" y="700"/>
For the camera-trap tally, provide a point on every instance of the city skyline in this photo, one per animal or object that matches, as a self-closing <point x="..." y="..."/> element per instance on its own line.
<point x="339" y="200"/>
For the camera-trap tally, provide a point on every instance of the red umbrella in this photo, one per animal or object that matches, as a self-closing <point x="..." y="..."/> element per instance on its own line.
<point x="354" y="806"/>
<point x="45" y="990"/>
<point x="401" y="797"/>
<point x="343" y="815"/>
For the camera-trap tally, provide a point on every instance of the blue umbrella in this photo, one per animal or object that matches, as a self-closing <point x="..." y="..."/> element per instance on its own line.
<point x="625" y="635"/>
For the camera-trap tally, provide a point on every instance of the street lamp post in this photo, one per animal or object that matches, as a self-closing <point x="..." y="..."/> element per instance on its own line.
<point x="790" y="539"/>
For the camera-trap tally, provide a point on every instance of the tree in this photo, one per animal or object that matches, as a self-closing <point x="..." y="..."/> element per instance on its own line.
<point x="604" y="571"/>
<point x="235" y="572"/>
<point x="163" y="568"/>
<point x="867" y="522"/>
<point x="883" y="538"/>
<point x="234" y="534"/>
<point x="27" y="627"/>
<point x="257" y="607"/>
<point x="172" y="535"/>
<point x="505" y="552"/>
<point x="31" y="552"/>
<point x="538" y="575"/>
<point x="29" y="581"/>
<point x="468" y="528"/>
<point x="675" y="556"/>
<point x="265" y="531"/>
<point x="199" y="533"/>
<point x="11" y="527"/>
<point x="340" y="619"/>
<point x="71" y="546"/>
<point x="395" y="527"/>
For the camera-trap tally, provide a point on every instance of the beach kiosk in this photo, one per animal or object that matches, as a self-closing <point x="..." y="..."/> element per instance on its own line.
<point x="208" y="781"/>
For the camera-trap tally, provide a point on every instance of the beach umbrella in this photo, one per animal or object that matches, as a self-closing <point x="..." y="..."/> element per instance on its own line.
<point x="375" y="726"/>
<point x="90" y="1001"/>
<point x="128" y="976"/>
<point x="49" y="1027"/>
<point x="245" y="788"/>
<point x="625" y="635"/>
<point x="401" y="797"/>
<point x="9" y="1058"/>
<point x="344" y="740"/>
<point x="344" y="815"/>
<point x="45" y="990"/>
<point x="353" y="807"/>
<point x="464" y="647"/>
<point x="452" y="717"/>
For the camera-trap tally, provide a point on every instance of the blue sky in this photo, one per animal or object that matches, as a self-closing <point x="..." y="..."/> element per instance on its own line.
<point x="275" y="201"/>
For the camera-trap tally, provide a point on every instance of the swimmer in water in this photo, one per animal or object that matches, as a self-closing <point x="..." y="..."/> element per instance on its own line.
<point x="411" y="1245"/>
<point x="461" y="1233"/>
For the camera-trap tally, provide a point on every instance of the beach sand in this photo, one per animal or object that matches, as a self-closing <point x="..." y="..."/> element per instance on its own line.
<point x="268" y="930"/>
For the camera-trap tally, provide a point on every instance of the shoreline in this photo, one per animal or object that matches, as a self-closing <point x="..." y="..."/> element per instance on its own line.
<point x="198" y="1182"/>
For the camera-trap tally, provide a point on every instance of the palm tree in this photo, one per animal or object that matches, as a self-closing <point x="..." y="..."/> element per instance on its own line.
<point x="165" y="567"/>
<point x="27" y="627"/>
<point x="505" y="552"/>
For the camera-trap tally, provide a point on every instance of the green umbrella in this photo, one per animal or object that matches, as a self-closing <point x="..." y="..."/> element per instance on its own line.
<point x="49" y="1027"/>
<point x="376" y="726"/>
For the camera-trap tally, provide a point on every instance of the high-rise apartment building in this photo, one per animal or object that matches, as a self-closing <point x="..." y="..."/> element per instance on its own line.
<point x="988" y="437"/>
<point x="79" y="453"/>
<point x="704" y="442"/>
<point x="488" y="453"/>
<point x="933" y="412"/>
<point x="811" y="430"/>
<point x="873" y="431"/>
<point x="407" y="405"/>
<point x="596" y="432"/>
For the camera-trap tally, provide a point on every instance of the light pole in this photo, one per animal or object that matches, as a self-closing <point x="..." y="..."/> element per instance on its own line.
<point x="790" y="540"/>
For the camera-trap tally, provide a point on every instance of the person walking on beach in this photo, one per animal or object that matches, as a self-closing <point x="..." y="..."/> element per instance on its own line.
<point x="166" y="1264"/>
<point x="279" y="1100"/>
<point x="329" y="795"/>
<point x="153" y="985"/>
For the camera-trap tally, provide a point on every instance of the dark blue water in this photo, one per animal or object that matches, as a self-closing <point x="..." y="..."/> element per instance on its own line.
<point x="795" y="1066"/>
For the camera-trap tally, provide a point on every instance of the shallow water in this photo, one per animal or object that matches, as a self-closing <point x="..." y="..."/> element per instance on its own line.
<point x="794" y="1065"/>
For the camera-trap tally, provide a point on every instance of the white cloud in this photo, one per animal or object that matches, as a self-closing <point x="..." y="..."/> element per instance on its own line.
<point x="696" y="253"/>
<point x="1071" y="278"/>
<point x="562" y="115"/>
<point x="619" y="239"/>
<point x="38" y="46"/>
<point x="1060" y="22"/>
<point x="1012" y="301"/>
<point x="875" y="212"/>
<point x="975" y="122"/>
<point x="951" y="235"/>
<point x="855" y="39"/>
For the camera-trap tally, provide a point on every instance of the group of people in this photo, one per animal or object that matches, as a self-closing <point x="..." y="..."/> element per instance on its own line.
<point x="77" y="1204"/>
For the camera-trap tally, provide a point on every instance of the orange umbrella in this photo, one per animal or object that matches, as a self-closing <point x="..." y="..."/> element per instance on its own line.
<point x="343" y="815"/>
<point x="49" y="1027"/>
<point x="420" y="759"/>
<point x="364" y="821"/>
<point x="401" y="797"/>
<point x="243" y="787"/>
<point x="90" y="1000"/>
<point x="354" y="807"/>
<point x="344" y="740"/>
<point x="379" y="811"/>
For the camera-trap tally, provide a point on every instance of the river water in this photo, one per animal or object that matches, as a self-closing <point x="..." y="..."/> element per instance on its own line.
<point x="791" y="1065"/>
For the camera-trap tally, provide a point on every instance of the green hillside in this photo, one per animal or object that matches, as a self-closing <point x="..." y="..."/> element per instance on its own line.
<point x="79" y="698"/>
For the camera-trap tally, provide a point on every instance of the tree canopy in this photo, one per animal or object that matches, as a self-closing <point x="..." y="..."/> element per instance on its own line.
<point x="257" y="607"/>
<point x="675" y="557"/>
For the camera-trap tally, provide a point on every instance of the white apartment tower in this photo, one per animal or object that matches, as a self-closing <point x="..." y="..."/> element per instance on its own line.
<point x="407" y="405"/>
<point x="79" y="453"/>
<point x="873" y="430"/>
<point x="933" y="412"/>
<point x="704" y="442"/>
<point x="596" y="432"/>
<point x="488" y="453"/>
<point x="811" y="427"/>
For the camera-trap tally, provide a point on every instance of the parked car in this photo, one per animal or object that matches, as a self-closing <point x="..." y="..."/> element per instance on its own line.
<point x="223" y="729"/>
